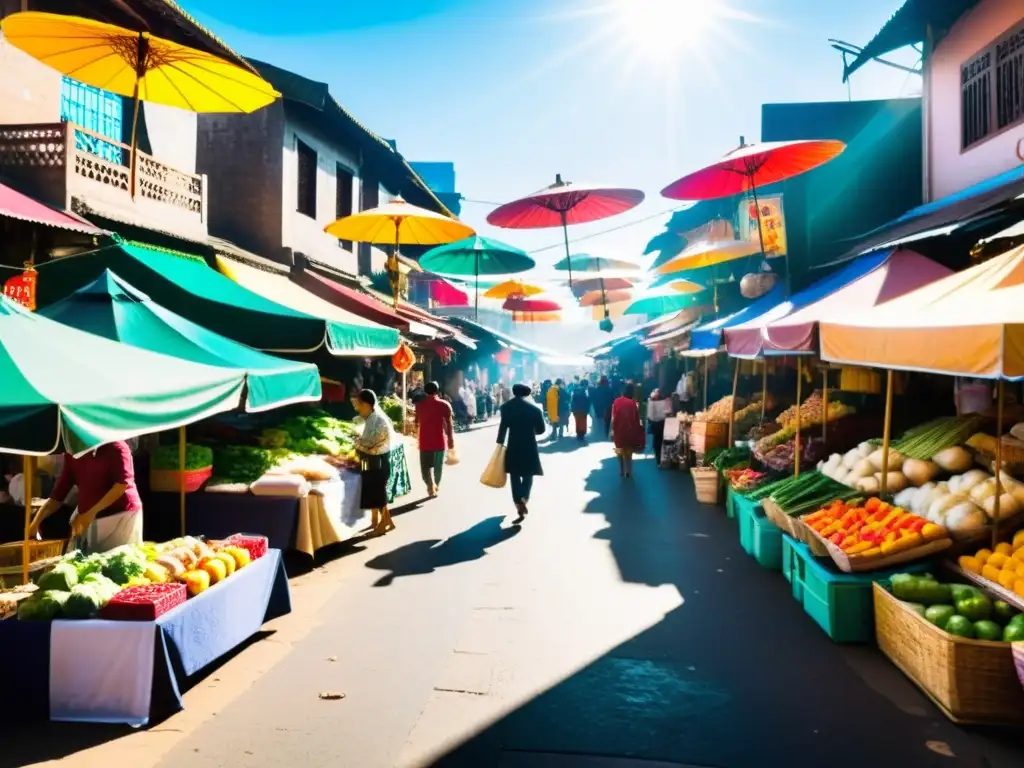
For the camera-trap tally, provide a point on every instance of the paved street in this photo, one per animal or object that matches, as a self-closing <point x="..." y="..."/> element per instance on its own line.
<point x="621" y="620"/>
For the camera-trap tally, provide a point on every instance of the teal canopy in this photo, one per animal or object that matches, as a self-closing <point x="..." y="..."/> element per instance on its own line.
<point x="187" y="286"/>
<point x="111" y="308"/>
<point x="58" y="382"/>
<point x="477" y="256"/>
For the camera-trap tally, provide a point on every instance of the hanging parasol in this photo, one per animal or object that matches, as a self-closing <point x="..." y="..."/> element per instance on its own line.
<point x="662" y="302"/>
<point x="584" y="262"/>
<point x="750" y="166"/>
<point x="511" y="288"/>
<point x="564" y="203"/>
<point x="398" y="223"/>
<point x="581" y="287"/>
<point x="477" y="256"/>
<point x="532" y="310"/>
<point x="137" y="65"/>
<point x="706" y="254"/>
<point x="604" y="298"/>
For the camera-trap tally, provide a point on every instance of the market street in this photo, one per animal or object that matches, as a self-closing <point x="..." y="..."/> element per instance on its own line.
<point x="621" y="620"/>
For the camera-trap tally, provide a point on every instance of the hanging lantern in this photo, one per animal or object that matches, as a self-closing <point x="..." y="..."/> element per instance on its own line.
<point x="22" y="288"/>
<point x="404" y="359"/>
<point x="754" y="285"/>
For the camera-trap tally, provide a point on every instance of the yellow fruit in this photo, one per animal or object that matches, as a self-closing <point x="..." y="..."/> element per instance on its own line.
<point x="998" y="560"/>
<point x="240" y="554"/>
<point x="1004" y="549"/>
<point x="1020" y="570"/>
<point x="971" y="564"/>
<point x="1018" y="587"/>
<point x="990" y="572"/>
<point x="1007" y="579"/>
<point x="931" y="532"/>
<point x="216" y="568"/>
<point x="199" y="581"/>
<point x="1018" y="540"/>
<point x="983" y="555"/>
<point x="228" y="560"/>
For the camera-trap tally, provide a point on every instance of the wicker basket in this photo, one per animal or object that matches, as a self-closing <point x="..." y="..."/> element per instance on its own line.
<point x="707" y="484"/>
<point x="971" y="681"/>
<point x="168" y="480"/>
<point x="795" y="527"/>
<point x="11" y="554"/>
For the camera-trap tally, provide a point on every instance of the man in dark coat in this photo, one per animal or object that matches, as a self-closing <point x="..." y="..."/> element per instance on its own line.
<point x="522" y="421"/>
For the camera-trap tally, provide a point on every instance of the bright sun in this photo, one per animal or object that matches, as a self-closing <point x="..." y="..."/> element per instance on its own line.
<point x="662" y="29"/>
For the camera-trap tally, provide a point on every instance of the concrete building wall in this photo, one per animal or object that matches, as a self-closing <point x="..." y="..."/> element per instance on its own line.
<point x="950" y="167"/>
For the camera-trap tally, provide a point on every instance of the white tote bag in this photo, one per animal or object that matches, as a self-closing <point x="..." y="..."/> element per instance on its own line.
<point x="494" y="476"/>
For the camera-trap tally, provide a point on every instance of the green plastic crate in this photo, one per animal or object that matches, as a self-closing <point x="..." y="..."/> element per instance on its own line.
<point x="758" y="536"/>
<point x="840" y="603"/>
<point x="792" y="565"/>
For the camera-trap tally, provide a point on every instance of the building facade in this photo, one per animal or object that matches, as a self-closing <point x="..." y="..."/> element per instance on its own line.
<point x="974" y="98"/>
<point x="284" y="173"/>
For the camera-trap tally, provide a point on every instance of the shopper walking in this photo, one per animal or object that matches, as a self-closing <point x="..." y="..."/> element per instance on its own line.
<point x="581" y="409"/>
<point x="626" y="429"/>
<point x="601" y="399"/>
<point x="374" y="449"/>
<point x="657" y="411"/>
<point x="436" y="435"/>
<point x="555" y="400"/>
<point x="522" y="422"/>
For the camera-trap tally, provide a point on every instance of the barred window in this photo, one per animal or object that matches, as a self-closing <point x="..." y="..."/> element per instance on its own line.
<point x="992" y="88"/>
<point x="96" y="110"/>
<point x="343" y="201"/>
<point x="307" y="179"/>
<point x="976" y="99"/>
<point x="1010" y="79"/>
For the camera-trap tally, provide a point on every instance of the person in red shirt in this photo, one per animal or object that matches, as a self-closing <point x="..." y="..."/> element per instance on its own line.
<point x="434" y="419"/>
<point x="109" y="512"/>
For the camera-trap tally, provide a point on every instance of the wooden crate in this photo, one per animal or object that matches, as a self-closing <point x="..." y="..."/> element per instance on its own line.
<point x="971" y="681"/>
<point x="708" y="435"/>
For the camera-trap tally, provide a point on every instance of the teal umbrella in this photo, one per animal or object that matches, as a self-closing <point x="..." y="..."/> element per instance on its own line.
<point x="60" y="382"/>
<point x="662" y="301"/>
<point x="584" y="262"/>
<point x="111" y="308"/>
<point x="476" y="256"/>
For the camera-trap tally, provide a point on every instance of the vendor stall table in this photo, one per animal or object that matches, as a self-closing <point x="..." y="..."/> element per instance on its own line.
<point x="133" y="672"/>
<point x="328" y="515"/>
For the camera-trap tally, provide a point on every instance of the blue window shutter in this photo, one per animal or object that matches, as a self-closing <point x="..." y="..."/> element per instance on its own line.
<point x="98" y="111"/>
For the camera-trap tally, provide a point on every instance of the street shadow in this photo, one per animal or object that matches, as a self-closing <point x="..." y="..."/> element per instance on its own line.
<point x="737" y="675"/>
<point x="422" y="557"/>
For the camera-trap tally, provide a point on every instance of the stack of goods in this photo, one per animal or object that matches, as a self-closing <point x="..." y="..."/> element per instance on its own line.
<point x="796" y="496"/>
<point x="812" y="411"/>
<point x="9" y="599"/>
<point x="749" y="416"/>
<point x="81" y="587"/>
<point x="959" y="609"/>
<point x="777" y="450"/>
<point x="1003" y="567"/>
<point x="860" y="537"/>
<point x="720" y="411"/>
<point x="763" y="430"/>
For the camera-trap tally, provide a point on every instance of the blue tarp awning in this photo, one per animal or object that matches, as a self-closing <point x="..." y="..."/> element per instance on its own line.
<point x="709" y="335"/>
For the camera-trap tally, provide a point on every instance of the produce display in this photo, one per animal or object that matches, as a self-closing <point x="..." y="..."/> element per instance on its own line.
<point x="812" y="411"/>
<point x="959" y="609"/>
<point x="166" y="458"/>
<point x="728" y="458"/>
<point x="721" y="410"/>
<point x="798" y="495"/>
<point x="1004" y="566"/>
<point x="928" y="439"/>
<point x="874" y="529"/>
<point x="781" y="457"/>
<point x="80" y="587"/>
<point x="744" y="480"/>
<point x="392" y="408"/>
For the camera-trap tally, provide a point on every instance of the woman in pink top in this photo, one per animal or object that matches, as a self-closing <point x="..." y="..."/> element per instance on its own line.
<point x="109" y="512"/>
<point x="627" y="433"/>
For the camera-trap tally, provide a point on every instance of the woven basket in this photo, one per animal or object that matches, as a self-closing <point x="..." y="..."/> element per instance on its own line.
<point x="971" y="681"/>
<point x="11" y="554"/>
<point x="707" y="484"/>
<point x="167" y="480"/>
<point x="779" y="518"/>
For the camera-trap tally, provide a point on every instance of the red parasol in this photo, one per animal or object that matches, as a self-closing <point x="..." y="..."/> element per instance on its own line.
<point x="750" y="166"/>
<point x="564" y="203"/>
<point x="532" y="310"/>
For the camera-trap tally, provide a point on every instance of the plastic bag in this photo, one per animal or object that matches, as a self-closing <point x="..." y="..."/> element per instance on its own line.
<point x="494" y="476"/>
<point x="452" y="458"/>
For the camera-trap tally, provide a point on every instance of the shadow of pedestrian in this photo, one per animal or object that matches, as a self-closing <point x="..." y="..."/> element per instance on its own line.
<point x="423" y="557"/>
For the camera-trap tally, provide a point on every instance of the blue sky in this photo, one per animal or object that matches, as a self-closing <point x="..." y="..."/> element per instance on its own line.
<point x="514" y="91"/>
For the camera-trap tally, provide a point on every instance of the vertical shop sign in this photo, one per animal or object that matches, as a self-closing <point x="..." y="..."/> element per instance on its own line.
<point x="22" y="288"/>
<point x="773" y="224"/>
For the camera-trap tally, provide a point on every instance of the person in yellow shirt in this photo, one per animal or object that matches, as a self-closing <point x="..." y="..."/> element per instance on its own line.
<point x="556" y="402"/>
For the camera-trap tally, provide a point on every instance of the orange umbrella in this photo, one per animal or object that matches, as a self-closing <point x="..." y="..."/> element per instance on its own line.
<point x="512" y="288"/>
<point x="602" y="298"/>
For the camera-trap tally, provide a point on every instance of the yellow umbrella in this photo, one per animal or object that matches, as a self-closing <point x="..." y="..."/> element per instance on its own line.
<point x="398" y="223"/>
<point x="138" y="65"/>
<point x="686" y="286"/>
<point x="512" y="288"/>
<point x="705" y="254"/>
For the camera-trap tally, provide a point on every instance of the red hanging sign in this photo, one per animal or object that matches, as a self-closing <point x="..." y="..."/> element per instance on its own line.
<point x="22" y="288"/>
<point x="404" y="359"/>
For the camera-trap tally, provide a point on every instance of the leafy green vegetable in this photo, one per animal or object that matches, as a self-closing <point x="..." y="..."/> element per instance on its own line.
<point x="62" y="576"/>
<point x="43" y="606"/>
<point x="104" y="587"/>
<point x="84" y="602"/>
<point x="165" y="457"/>
<point x="121" y="565"/>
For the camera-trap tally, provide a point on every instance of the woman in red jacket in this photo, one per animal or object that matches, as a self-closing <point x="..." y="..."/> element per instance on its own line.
<point x="627" y="431"/>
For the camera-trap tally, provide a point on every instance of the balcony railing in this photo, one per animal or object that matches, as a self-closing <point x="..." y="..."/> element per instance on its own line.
<point x="68" y="166"/>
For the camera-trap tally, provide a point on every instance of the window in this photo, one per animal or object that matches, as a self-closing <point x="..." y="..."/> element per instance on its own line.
<point x="343" y="203"/>
<point x="307" y="179"/>
<point x="369" y="198"/>
<point x="97" y="111"/>
<point x="992" y="88"/>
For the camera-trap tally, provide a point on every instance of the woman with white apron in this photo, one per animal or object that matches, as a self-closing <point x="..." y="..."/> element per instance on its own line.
<point x="109" y="512"/>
